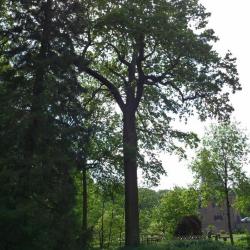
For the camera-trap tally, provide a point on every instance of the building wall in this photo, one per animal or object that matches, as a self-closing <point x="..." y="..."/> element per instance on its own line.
<point x="216" y="215"/>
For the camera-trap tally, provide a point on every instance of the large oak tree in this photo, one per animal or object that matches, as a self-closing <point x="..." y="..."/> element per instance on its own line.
<point x="156" y="59"/>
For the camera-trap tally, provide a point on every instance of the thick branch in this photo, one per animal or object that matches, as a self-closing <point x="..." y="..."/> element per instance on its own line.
<point x="141" y="80"/>
<point x="130" y="84"/>
<point x="132" y="69"/>
<point x="83" y="66"/>
<point x="113" y="90"/>
<point x="88" y="44"/>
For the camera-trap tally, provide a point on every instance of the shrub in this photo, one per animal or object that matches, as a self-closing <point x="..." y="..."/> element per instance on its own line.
<point x="189" y="225"/>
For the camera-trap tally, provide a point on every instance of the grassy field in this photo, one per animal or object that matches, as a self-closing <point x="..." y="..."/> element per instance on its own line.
<point x="242" y="242"/>
<point x="191" y="245"/>
<point x="195" y="245"/>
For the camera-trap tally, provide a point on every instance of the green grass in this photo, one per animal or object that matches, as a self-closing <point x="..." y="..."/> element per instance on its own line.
<point x="189" y="245"/>
<point x="242" y="240"/>
<point x="239" y="236"/>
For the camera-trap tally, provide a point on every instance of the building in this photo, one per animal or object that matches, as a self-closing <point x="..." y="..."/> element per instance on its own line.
<point x="214" y="216"/>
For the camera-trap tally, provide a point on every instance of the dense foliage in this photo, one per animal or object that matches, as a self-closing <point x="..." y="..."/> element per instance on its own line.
<point x="174" y="205"/>
<point x="40" y="121"/>
<point x="242" y="202"/>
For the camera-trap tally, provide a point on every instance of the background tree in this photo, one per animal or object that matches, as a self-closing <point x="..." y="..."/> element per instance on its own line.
<point x="219" y="163"/>
<point x="148" y="201"/>
<point x="242" y="202"/>
<point x="105" y="211"/>
<point x="173" y="206"/>
<point x="41" y="115"/>
<point x="98" y="148"/>
<point x="156" y="60"/>
<point x="99" y="158"/>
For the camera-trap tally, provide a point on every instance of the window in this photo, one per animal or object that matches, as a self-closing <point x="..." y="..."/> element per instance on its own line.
<point x="218" y="217"/>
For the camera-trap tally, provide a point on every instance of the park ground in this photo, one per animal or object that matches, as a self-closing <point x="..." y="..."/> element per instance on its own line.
<point x="242" y="242"/>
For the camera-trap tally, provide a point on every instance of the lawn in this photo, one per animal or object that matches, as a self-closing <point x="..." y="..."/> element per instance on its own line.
<point x="242" y="240"/>
<point x="190" y="245"/>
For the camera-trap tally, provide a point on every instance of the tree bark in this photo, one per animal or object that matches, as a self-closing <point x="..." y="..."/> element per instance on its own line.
<point x="132" y="238"/>
<point x="102" y="225"/>
<point x="227" y="200"/>
<point x="229" y="217"/>
<point x="84" y="205"/>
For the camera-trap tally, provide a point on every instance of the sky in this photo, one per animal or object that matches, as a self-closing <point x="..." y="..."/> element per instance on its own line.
<point x="230" y="20"/>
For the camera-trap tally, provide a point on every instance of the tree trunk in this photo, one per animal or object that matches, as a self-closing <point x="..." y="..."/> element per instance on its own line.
<point x="227" y="201"/>
<point x="229" y="217"/>
<point x="102" y="225"/>
<point x="130" y="170"/>
<point x="84" y="206"/>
